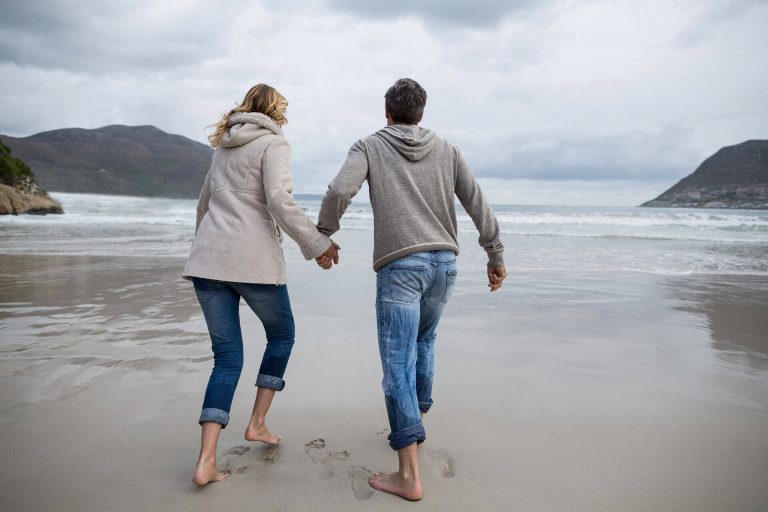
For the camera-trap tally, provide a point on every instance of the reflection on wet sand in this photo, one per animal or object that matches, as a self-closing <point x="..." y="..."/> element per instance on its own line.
<point x="736" y="312"/>
<point x="67" y="322"/>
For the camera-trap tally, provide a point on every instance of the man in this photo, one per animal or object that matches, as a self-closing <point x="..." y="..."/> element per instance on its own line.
<point x="412" y="176"/>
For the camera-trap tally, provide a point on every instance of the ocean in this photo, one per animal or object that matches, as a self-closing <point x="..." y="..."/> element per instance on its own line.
<point x="538" y="238"/>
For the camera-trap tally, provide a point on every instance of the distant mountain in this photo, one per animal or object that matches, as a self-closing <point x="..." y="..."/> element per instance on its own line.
<point x="19" y="192"/>
<point x="734" y="177"/>
<point x="116" y="159"/>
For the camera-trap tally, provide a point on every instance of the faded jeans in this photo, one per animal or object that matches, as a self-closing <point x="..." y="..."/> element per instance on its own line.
<point x="411" y="293"/>
<point x="220" y="301"/>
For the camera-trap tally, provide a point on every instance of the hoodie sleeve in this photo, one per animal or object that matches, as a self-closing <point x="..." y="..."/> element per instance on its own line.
<point x="473" y="201"/>
<point x="278" y="186"/>
<point x="343" y="188"/>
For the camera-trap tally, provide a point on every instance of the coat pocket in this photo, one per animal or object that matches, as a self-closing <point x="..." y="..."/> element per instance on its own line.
<point x="277" y="230"/>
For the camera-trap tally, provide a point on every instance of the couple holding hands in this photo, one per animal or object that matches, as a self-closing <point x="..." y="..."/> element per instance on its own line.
<point x="245" y="205"/>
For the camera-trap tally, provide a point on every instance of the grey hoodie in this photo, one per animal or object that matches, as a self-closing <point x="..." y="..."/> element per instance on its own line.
<point x="412" y="176"/>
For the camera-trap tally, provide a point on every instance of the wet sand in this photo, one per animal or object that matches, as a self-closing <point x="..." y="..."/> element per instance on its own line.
<point x="590" y="391"/>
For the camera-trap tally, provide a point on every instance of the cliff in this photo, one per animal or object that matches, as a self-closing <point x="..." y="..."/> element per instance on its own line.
<point x="734" y="177"/>
<point x="116" y="159"/>
<point x="19" y="192"/>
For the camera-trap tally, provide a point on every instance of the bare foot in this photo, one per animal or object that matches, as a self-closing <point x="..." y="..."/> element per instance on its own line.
<point x="207" y="472"/>
<point x="261" y="434"/>
<point x="394" y="483"/>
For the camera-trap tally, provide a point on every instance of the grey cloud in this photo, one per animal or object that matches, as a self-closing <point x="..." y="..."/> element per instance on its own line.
<point x="640" y="155"/>
<point x="480" y="13"/>
<point x="105" y="36"/>
<point x="505" y="96"/>
<point x="712" y="14"/>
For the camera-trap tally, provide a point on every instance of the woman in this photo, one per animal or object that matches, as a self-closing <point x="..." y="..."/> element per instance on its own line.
<point x="245" y="202"/>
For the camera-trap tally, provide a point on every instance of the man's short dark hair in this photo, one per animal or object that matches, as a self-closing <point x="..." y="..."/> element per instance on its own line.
<point x="405" y="101"/>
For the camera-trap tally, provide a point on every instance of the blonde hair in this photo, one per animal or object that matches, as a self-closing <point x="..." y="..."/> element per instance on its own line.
<point x="260" y="98"/>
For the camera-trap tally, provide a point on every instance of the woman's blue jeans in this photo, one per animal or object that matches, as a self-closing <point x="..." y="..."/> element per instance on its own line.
<point x="411" y="293"/>
<point x="220" y="301"/>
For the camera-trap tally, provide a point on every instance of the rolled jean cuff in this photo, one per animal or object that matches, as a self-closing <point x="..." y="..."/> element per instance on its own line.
<point x="407" y="436"/>
<point x="424" y="406"/>
<point x="214" y="415"/>
<point x="270" y="382"/>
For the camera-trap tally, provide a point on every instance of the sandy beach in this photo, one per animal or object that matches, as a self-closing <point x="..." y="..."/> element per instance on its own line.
<point x="587" y="391"/>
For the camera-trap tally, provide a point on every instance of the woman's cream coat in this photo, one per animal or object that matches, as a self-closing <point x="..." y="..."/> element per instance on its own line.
<point x="245" y="202"/>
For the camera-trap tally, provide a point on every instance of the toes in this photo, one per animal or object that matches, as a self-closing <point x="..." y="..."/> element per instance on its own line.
<point x="376" y="477"/>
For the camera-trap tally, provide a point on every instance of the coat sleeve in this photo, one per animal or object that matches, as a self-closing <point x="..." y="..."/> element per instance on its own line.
<point x="278" y="186"/>
<point x="474" y="202"/>
<point x="202" y="202"/>
<point x="343" y="188"/>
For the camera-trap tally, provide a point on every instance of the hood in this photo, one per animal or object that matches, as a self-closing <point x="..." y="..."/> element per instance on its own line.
<point x="247" y="126"/>
<point x="411" y="141"/>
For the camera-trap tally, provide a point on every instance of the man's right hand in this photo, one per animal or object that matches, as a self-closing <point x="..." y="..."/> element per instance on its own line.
<point x="496" y="276"/>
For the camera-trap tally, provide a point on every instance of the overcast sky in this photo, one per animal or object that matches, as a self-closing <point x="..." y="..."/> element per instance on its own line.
<point x="554" y="95"/>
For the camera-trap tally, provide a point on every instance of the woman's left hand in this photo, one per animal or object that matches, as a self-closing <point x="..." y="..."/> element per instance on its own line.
<point x="330" y="257"/>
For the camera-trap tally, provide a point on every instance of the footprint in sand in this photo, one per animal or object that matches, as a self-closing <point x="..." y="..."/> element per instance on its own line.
<point x="268" y="455"/>
<point x="443" y="462"/>
<point x="315" y="444"/>
<point x="358" y="476"/>
<point x="326" y="459"/>
<point x="231" y="455"/>
<point x="383" y="432"/>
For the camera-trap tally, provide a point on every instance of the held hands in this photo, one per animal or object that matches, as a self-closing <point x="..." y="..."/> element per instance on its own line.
<point x="495" y="277"/>
<point x="329" y="257"/>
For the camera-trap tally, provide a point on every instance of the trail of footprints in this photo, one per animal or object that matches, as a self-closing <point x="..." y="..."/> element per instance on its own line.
<point x="326" y="459"/>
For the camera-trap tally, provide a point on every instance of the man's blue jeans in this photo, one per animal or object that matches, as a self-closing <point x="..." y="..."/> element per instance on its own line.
<point x="411" y="293"/>
<point x="220" y="301"/>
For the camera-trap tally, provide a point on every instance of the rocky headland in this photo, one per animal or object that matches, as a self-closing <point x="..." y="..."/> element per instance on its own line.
<point x="734" y="177"/>
<point x="19" y="193"/>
